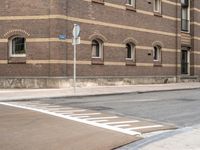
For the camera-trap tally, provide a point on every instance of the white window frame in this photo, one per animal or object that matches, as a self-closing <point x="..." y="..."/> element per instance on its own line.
<point x="10" y="44"/>
<point x="188" y="14"/>
<point x="132" y="3"/>
<point x="158" y="53"/>
<point x="133" y="47"/>
<point x="159" y="2"/>
<point x="100" y="42"/>
<point x="188" y="59"/>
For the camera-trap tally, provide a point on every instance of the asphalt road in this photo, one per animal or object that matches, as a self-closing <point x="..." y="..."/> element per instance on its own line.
<point x="22" y="129"/>
<point x="177" y="107"/>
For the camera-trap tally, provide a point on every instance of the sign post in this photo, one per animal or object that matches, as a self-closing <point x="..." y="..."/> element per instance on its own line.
<point x="75" y="41"/>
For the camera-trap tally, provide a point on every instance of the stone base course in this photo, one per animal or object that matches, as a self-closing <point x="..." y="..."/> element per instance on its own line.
<point x="64" y="82"/>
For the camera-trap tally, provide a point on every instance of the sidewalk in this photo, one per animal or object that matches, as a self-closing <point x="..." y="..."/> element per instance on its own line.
<point x="182" y="139"/>
<point x="21" y="94"/>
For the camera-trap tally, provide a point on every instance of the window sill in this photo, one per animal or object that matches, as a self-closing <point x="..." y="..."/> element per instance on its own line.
<point x="130" y="7"/>
<point x="157" y="14"/>
<point x="97" y="61"/>
<point x="98" y="1"/>
<point x="17" y="60"/>
<point x="157" y="64"/>
<point x="186" y="32"/>
<point x="130" y="62"/>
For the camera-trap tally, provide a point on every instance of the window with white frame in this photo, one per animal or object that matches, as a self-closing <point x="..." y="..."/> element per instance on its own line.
<point x="97" y="48"/>
<point x="157" y="6"/>
<point x="17" y="46"/>
<point x="131" y="2"/>
<point x="130" y="48"/>
<point x="185" y="15"/>
<point x="157" y="53"/>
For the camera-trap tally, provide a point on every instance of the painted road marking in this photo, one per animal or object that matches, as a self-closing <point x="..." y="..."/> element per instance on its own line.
<point x="89" y="114"/>
<point x="60" y="109"/>
<point x="81" y="116"/>
<point x="122" y="122"/>
<point x="145" y="127"/>
<point x="98" y="121"/>
<point x="93" y="123"/>
<point x="72" y="111"/>
<point x="52" y="107"/>
<point x="113" y="117"/>
<point x="124" y="125"/>
<point x="90" y="117"/>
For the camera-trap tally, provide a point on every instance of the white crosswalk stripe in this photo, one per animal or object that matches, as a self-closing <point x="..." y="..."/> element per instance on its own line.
<point x="124" y="125"/>
<point x="81" y="117"/>
<point x="71" y="111"/>
<point x="90" y="114"/>
<point x="145" y="127"/>
<point x="60" y="109"/>
<point x="113" y="117"/>
<point x="122" y="122"/>
<point x="98" y="119"/>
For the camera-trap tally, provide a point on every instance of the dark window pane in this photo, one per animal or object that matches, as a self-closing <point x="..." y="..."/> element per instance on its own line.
<point x="18" y="45"/>
<point x="129" y="50"/>
<point x="96" y="48"/>
<point x="155" y="53"/>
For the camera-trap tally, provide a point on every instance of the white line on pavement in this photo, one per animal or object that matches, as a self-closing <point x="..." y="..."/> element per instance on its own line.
<point x="145" y="127"/>
<point x="80" y="116"/>
<point x="35" y="104"/>
<point x="124" y="125"/>
<point x="122" y="122"/>
<point x="70" y="111"/>
<point x="53" y="106"/>
<point x="60" y="109"/>
<point x="113" y="117"/>
<point x="89" y="114"/>
<point x="100" y="125"/>
<point x="98" y="121"/>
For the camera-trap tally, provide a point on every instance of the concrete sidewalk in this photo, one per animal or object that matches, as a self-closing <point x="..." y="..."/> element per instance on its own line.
<point x="188" y="140"/>
<point x="21" y="94"/>
<point x="182" y="139"/>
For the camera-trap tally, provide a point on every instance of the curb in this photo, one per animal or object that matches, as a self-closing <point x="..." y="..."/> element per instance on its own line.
<point x="99" y="95"/>
<point x="124" y="93"/>
<point x="168" y="90"/>
<point x="155" y="138"/>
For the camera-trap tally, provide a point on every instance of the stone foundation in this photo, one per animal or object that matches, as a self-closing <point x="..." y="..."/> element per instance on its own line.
<point x="62" y="82"/>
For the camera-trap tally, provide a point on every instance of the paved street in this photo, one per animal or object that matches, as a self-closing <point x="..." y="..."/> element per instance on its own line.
<point x="123" y="116"/>
<point x="28" y="130"/>
<point x="177" y="107"/>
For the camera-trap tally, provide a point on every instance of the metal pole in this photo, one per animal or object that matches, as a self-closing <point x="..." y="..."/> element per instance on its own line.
<point x="75" y="65"/>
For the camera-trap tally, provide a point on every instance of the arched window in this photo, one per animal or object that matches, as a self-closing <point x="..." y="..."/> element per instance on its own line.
<point x="130" y="48"/>
<point x="157" y="53"/>
<point x="17" y="46"/>
<point x="97" y="48"/>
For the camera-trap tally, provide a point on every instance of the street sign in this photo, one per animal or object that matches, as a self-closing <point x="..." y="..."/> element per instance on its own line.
<point x="62" y="36"/>
<point x="76" y="41"/>
<point x="76" y="31"/>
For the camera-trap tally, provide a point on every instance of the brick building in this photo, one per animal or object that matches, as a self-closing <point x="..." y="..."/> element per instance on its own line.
<point x="131" y="41"/>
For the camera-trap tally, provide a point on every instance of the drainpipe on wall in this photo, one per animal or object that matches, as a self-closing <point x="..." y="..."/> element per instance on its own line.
<point x="177" y="29"/>
<point x="49" y="44"/>
<point x="67" y="33"/>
